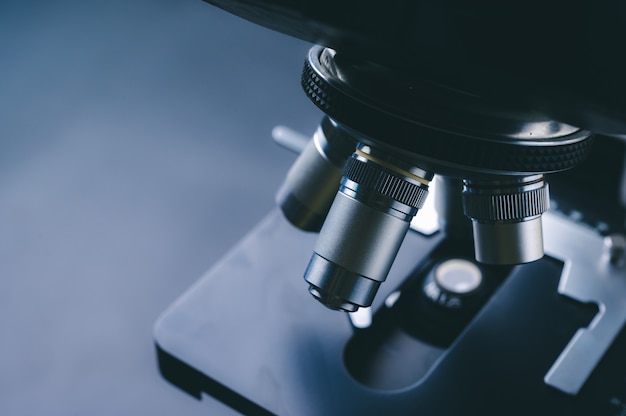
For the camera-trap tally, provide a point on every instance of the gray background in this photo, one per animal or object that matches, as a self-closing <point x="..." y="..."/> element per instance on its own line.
<point x="135" y="150"/>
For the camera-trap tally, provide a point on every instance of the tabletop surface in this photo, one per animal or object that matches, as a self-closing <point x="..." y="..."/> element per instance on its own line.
<point x="135" y="150"/>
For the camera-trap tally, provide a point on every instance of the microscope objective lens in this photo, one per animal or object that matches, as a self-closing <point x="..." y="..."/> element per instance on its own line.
<point x="365" y="227"/>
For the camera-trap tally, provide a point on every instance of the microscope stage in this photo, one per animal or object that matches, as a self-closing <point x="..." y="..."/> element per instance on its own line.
<point x="249" y="334"/>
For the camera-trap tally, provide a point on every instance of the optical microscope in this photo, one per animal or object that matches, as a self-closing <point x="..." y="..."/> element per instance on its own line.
<point x="513" y="303"/>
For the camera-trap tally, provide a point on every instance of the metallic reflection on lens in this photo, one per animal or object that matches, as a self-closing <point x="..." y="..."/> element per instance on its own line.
<point x="312" y="182"/>
<point x="378" y="197"/>
<point x="506" y="217"/>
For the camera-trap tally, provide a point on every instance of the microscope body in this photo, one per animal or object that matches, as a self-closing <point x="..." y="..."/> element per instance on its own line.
<point x="470" y="317"/>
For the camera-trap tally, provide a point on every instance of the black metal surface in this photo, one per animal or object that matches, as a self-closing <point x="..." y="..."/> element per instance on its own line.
<point x="594" y="193"/>
<point x="290" y="352"/>
<point x="559" y="58"/>
<point x="425" y="121"/>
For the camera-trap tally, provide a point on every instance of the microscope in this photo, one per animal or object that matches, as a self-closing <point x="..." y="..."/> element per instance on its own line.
<point x="512" y="301"/>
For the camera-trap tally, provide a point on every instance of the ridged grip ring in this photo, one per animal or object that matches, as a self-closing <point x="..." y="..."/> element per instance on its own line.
<point x="403" y="123"/>
<point x="507" y="207"/>
<point x="385" y="183"/>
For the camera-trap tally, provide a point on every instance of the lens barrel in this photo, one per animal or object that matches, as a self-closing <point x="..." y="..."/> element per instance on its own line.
<point x="506" y="218"/>
<point x="312" y="182"/>
<point x="365" y="227"/>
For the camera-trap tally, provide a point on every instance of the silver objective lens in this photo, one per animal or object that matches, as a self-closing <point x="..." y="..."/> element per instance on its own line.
<point x="312" y="182"/>
<point x="365" y="227"/>
<point x="506" y="217"/>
